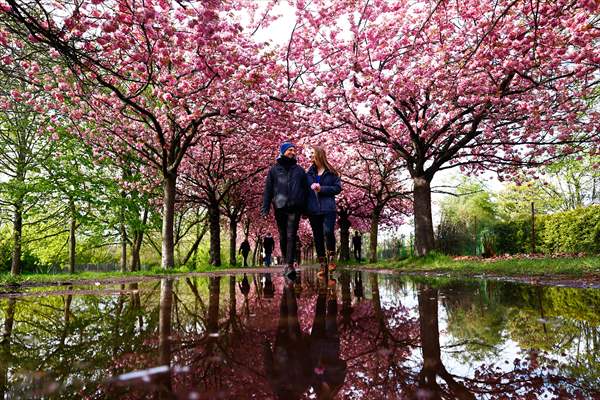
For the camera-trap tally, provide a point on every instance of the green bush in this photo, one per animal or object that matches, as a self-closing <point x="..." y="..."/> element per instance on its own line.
<point x="514" y="236"/>
<point x="566" y="232"/>
<point x="29" y="261"/>
<point x="573" y="231"/>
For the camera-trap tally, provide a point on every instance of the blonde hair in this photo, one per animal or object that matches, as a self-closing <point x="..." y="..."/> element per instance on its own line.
<point x="321" y="160"/>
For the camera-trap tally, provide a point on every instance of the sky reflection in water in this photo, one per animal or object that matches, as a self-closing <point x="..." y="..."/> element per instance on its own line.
<point x="360" y="335"/>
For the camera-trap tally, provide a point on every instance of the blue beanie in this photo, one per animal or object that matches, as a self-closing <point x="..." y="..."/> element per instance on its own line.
<point x="284" y="147"/>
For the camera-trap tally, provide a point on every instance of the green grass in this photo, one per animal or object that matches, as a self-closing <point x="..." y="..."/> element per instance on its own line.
<point x="6" y="279"/>
<point x="574" y="267"/>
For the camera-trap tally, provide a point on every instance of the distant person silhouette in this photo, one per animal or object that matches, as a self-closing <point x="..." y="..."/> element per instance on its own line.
<point x="268" y="246"/>
<point x="357" y="246"/>
<point x="245" y="250"/>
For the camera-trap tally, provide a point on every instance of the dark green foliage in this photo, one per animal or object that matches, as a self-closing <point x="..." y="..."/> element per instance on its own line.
<point x="514" y="236"/>
<point x="573" y="231"/>
<point x="29" y="262"/>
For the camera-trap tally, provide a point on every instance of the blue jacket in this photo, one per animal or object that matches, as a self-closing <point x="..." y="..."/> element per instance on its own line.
<point x="324" y="201"/>
<point x="285" y="187"/>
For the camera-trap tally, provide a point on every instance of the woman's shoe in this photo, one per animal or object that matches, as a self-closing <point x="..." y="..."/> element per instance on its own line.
<point x="331" y="261"/>
<point x="322" y="265"/>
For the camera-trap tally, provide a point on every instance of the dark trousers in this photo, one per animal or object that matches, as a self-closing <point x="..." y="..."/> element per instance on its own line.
<point x="268" y="259"/>
<point x="323" y="228"/>
<point x="287" y="225"/>
<point x="245" y="257"/>
<point x="357" y="253"/>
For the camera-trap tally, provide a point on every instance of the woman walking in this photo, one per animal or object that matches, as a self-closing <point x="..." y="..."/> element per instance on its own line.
<point x="325" y="183"/>
<point x="286" y="187"/>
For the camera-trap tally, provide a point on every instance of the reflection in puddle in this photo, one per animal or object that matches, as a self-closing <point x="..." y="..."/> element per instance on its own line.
<point x="359" y="335"/>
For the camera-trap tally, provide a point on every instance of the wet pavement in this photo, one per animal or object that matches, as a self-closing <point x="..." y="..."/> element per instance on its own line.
<point x="358" y="335"/>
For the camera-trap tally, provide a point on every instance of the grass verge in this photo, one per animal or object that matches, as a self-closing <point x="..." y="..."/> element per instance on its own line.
<point x="572" y="267"/>
<point x="6" y="279"/>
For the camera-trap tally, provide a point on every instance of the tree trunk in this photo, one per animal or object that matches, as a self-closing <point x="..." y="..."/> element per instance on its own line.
<point x="424" y="241"/>
<point x="15" y="267"/>
<point x="138" y="239"/>
<point x="258" y="248"/>
<point x="72" y="239"/>
<point x="373" y="235"/>
<point x="123" y="247"/>
<point x="233" y="240"/>
<point x="194" y="249"/>
<point x="344" y="236"/>
<point x="214" y="221"/>
<point x="168" y="241"/>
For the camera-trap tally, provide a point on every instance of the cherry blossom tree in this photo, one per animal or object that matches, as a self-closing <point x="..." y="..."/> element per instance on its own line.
<point x="144" y="77"/>
<point x="477" y="85"/>
<point x="378" y="175"/>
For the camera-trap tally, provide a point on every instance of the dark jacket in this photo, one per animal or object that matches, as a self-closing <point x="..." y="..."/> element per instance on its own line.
<point x="268" y="244"/>
<point x="324" y="201"/>
<point x="245" y="247"/>
<point x="286" y="186"/>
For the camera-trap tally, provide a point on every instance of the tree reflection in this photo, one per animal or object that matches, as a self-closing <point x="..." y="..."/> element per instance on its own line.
<point x="405" y="339"/>
<point x="428" y="387"/>
<point x="164" y="334"/>
<point x="5" y="354"/>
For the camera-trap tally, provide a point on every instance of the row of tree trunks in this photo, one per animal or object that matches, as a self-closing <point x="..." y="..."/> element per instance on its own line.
<point x="344" y="235"/>
<point x="233" y="241"/>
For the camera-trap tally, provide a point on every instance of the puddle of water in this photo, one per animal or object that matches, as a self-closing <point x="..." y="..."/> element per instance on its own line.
<point x="360" y="335"/>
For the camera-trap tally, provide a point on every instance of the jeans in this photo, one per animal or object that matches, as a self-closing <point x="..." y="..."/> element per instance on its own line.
<point x="357" y="253"/>
<point x="287" y="225"/>
<point x="323" y="227"/>
<point x="267" y="259"/>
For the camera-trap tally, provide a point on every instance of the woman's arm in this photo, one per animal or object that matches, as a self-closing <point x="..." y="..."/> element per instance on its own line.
<point x="333" y="189"/>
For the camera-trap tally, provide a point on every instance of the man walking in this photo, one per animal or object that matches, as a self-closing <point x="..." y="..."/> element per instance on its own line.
<point x="245" y="250"/>
<point x="357" y="245"/>
<point x="269" y="246"/>
<point x="286" y="188"/>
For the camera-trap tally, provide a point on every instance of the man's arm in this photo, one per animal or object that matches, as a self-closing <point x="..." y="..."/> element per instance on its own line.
<point x="267" y="194"/>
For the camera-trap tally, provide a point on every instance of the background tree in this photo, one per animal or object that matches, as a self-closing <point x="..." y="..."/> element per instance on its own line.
<point x="494" y="85"/>
<point x="138" y="81"/>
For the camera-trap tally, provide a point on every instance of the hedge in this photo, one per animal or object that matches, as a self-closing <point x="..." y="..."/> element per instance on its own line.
<point x="573" y="231"/>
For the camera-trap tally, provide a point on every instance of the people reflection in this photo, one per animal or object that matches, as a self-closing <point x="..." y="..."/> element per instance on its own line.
<point x="288" y="369"/>
<point x="268" y="287"/>
<point x="359" y="291"/>
<point x="329" y="370"/>
<point x="245" y="289"/>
